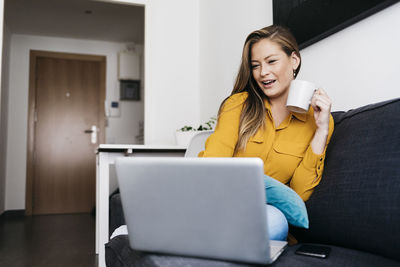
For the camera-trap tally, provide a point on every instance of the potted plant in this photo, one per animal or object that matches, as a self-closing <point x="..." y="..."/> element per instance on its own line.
<point x="185" y="134"/>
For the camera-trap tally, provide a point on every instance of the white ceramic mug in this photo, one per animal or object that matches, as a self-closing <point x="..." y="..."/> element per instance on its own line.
<point x="300" y="95"/>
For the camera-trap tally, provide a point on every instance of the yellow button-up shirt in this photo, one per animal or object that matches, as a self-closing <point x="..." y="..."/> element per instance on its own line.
<point x="285" y="150"/>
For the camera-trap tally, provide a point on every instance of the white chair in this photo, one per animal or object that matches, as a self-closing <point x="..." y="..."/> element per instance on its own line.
<point x="197" y="144"/>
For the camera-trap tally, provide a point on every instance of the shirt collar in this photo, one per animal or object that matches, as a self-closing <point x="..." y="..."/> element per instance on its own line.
<point x="300" y="116"/>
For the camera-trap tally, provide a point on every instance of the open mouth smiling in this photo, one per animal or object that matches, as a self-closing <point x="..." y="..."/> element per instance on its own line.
<point x="268" y="82"/>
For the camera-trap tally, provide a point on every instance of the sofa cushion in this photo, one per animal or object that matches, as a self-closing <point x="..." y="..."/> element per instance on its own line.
<point x="116" y="214"/>
<point x="338" y="256"/>
<point x="119" y="254"/>
<point x="357" y="203"/>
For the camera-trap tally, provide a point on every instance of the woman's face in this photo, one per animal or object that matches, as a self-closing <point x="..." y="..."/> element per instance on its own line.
<point x="272" y="68"/>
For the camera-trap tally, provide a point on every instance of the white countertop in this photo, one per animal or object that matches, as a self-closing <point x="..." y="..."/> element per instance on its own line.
<point x="139" y="147"/>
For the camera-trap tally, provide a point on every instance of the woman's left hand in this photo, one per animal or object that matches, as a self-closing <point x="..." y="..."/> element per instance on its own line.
<point x="321" y="104"/>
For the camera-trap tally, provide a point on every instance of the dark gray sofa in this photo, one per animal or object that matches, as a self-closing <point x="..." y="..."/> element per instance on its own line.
<point x="355" y="210"/>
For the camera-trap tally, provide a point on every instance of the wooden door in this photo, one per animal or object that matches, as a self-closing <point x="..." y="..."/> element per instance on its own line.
<point x="69" y="95"/>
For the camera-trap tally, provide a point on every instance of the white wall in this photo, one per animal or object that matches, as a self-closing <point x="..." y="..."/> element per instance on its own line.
<point x="172" y="68"/>
<point x="120" y="129"/>
<point x="224" y="26"/>
<point x="193" y="53"/>
<point x="124" y="129"/>
<point x="360" y="64"/>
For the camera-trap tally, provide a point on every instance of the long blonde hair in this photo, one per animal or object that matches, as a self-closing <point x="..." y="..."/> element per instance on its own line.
<point x="253" y="114"/>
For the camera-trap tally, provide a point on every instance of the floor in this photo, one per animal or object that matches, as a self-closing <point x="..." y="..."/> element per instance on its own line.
<point x="48" y="240"/>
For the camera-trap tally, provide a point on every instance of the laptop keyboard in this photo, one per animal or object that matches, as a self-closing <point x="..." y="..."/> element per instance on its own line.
<point x="275" y="250"/>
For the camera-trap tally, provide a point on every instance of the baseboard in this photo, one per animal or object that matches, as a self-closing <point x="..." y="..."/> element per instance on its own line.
<point x="12" y="213"/>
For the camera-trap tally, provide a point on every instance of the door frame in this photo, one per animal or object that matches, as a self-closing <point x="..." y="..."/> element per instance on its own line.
<point x="34" y="54"/>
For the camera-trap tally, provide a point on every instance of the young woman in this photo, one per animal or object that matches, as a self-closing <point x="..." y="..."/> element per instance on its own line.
<point x="254" y="120"/>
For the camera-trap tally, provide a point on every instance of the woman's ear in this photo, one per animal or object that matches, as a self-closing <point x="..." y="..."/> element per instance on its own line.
<point x="295" y="60"/>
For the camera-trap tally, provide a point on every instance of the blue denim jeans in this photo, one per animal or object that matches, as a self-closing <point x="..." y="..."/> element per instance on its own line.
<point x="277" y="224"/>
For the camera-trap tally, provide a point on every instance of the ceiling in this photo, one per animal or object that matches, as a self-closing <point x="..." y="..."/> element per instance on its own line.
<point x="81" y="19"/>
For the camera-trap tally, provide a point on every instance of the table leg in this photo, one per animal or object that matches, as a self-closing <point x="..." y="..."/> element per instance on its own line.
<point x="97" y="203"/>
<point x="102" y="208"/>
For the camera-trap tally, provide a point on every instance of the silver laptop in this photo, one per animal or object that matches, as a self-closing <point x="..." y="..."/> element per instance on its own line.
<point x="202" y="207"/>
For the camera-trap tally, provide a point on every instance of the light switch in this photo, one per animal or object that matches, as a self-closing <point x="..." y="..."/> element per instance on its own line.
<point x="115" y="110"/>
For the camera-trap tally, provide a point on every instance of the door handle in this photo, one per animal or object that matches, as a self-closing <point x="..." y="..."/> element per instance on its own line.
<point x="93" y="134"/>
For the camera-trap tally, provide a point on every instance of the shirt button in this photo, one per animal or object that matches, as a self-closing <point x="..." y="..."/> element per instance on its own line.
<point x="321" y="159"/>
<point x="319" y="167"/>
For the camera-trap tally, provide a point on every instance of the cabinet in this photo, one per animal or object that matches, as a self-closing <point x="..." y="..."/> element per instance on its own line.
<point x="128" y="66"/>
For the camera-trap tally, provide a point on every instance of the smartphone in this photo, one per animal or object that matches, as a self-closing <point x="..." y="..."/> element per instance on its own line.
<point x="313" y="251"/>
